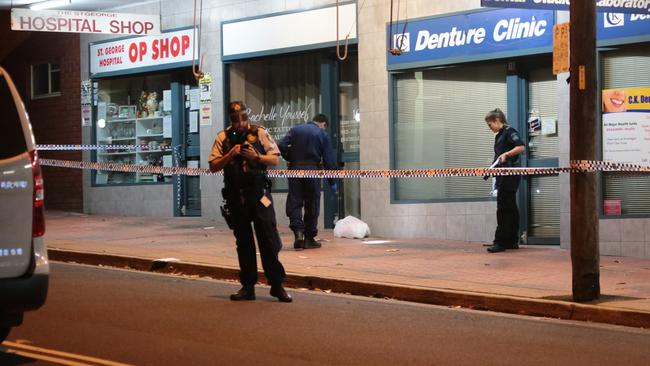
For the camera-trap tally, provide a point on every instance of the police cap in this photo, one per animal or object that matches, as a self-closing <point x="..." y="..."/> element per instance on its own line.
<point x="237" y="111"/>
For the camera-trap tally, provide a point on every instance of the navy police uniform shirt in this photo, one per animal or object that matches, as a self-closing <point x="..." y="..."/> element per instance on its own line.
<point x="506" y="139"/>
<point x="305" y="146"/>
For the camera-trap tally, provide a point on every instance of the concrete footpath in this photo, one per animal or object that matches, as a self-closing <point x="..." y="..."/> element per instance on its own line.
<point x="530" y="281"/>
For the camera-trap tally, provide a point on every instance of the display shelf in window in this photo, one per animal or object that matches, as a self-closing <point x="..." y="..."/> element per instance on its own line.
<point x="115" y="153"/>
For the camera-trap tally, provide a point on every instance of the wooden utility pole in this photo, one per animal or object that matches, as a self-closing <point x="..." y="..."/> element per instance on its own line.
<point x="582" y="121"/>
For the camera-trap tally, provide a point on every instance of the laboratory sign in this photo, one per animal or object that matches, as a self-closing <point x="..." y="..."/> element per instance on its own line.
<point x="615" y="6"/>
<point x="136" y="54"/>
<point x="75" y="21"/>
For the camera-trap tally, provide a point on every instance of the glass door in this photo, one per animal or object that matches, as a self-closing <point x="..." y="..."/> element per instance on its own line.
<point x="187" y="189"/>
<point x="543" y="198"/>
<point x="349" y="202"/>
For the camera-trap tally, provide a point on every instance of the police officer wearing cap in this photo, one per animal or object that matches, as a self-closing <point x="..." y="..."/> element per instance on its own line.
<point x="306" y="147"/>
<point x="507" y="147"/>
<point x="244" y="151"/>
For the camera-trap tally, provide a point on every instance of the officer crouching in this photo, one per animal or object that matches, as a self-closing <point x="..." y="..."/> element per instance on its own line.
<point x="244" y="151"/>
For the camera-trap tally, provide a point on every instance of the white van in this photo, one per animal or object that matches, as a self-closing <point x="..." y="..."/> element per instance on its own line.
<point x="24" y="266"/>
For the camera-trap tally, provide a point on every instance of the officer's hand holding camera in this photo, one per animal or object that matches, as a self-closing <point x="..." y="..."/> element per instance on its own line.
<point x="248" y="151"/>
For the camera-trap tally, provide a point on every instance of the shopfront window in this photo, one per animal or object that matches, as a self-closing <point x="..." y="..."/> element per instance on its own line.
<point x="626" y="194"/>
<point x="131" y="111"/>
<point x="438" y="122"/>
<point x="281" y="92"/>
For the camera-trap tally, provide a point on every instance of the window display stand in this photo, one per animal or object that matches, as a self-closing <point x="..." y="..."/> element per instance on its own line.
<point x="153" y="148"/>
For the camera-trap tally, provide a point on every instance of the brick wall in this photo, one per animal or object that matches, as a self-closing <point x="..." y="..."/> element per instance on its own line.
<point x="55" y="120"/>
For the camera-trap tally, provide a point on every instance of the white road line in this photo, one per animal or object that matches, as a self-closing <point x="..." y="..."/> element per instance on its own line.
<point x="94" y="360"/>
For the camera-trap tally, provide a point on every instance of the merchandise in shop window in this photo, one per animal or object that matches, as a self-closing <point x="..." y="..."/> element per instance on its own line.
<point x="138" y="124"/>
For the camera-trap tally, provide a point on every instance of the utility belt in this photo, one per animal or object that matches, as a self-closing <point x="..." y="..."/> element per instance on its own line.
<point x="238" y="195"/>
<point x="298" y="164"/>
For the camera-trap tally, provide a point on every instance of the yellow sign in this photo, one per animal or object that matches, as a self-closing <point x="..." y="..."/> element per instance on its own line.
<point x="626" y="100"/>
<point x="582" y="77"/>
<point x="560" y="48"/>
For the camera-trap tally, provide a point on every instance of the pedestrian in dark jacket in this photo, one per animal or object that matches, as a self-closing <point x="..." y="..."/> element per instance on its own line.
<point x="306" y="147"/>
<point x="507" y="147"/>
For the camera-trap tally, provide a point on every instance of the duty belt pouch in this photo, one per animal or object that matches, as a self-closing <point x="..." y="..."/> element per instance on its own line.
<point x="226" y="212"/>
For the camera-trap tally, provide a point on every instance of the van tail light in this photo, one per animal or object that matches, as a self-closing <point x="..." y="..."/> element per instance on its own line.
<point x="38" y="214"/>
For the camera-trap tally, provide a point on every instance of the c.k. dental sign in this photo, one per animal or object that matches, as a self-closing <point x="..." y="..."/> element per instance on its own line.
<point x="473" y="34"/>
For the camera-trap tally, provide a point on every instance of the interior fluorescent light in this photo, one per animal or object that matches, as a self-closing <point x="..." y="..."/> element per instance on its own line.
<point x="50" y="4"/>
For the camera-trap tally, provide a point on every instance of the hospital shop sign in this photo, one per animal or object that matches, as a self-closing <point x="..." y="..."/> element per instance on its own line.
<point x="74" y="21"/>
<point x="168" y="50"/>
<point x="614" y="6"/>
<point x="477" y="34"/>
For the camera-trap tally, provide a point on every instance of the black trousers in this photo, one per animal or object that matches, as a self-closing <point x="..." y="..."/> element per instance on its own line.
<point x="251" y="210"/>
<point x="507" y="232"/>
<point x="304" y="193"/>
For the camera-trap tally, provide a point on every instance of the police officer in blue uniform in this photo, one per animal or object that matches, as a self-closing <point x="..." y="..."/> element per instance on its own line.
<point x="243" y="151"/>
<point x="507" y="147"/>
<point x="306" y="147"/>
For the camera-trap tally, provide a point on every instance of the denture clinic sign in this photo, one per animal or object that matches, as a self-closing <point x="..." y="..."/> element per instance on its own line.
<point x="75" y="21"/>
<point x="472" y="35"/>
<point x="138" y="54"/>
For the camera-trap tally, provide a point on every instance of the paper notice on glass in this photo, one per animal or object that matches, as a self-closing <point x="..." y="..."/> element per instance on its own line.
<point x="167" y="126"/>
<point x="195" y="97"/>
<point x="194" y="121"/>
<point x="193" y="164"/>
<point x="167" y="100"/>
<point x="101" y="111"/>
<point x="167" y="161"/>
<point x="205" y="85"/>
<point x="549" y="126"/>
<point x="86" y="112"/>
<point x="95" y="92"/>
<point x="86" y="92"/>
<point x="206" y="114"/>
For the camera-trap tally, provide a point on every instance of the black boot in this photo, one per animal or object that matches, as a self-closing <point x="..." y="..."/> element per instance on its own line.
<point x="299" y="242"/>
<point x="310" y="243"/>
<point x="279" y="292"/>
<point x="245" y="293"/>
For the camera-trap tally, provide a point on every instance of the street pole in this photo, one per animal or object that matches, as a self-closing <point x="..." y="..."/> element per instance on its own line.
<point x="582" y="121"/>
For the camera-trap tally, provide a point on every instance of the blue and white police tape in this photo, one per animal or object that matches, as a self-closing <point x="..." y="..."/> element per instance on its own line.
<point x="143" y="147"/>
<point x="576" y="166"/>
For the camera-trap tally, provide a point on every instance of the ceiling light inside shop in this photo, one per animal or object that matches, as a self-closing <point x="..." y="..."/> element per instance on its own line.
<point x="50" y="4"/>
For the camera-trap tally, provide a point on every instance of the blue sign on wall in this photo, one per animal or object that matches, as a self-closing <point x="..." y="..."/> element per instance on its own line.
<point x="618" y="6"/>
<point x="484" y="33"/>
<point x="618" y="25"/>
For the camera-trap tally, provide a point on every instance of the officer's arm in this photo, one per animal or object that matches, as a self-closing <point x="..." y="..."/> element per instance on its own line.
<point x="515" y="151"/>
<point x="511" y="153"/>
<point x="284" y="144"/>
<point x="218" y="163"/>
<point x="268" y="159"/>
<point x="328" y="154"/>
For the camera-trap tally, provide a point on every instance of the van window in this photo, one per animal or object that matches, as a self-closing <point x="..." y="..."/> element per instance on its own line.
<point x="12" y="138"/>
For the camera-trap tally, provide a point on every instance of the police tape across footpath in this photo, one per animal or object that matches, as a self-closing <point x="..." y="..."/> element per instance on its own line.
<point x="575" y="166"/>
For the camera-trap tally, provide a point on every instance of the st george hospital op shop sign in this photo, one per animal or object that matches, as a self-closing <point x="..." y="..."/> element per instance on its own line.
<point x="494" y="33"/>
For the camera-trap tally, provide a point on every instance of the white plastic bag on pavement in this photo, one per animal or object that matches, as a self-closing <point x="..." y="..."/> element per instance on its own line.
<point x="351" y="227"/>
